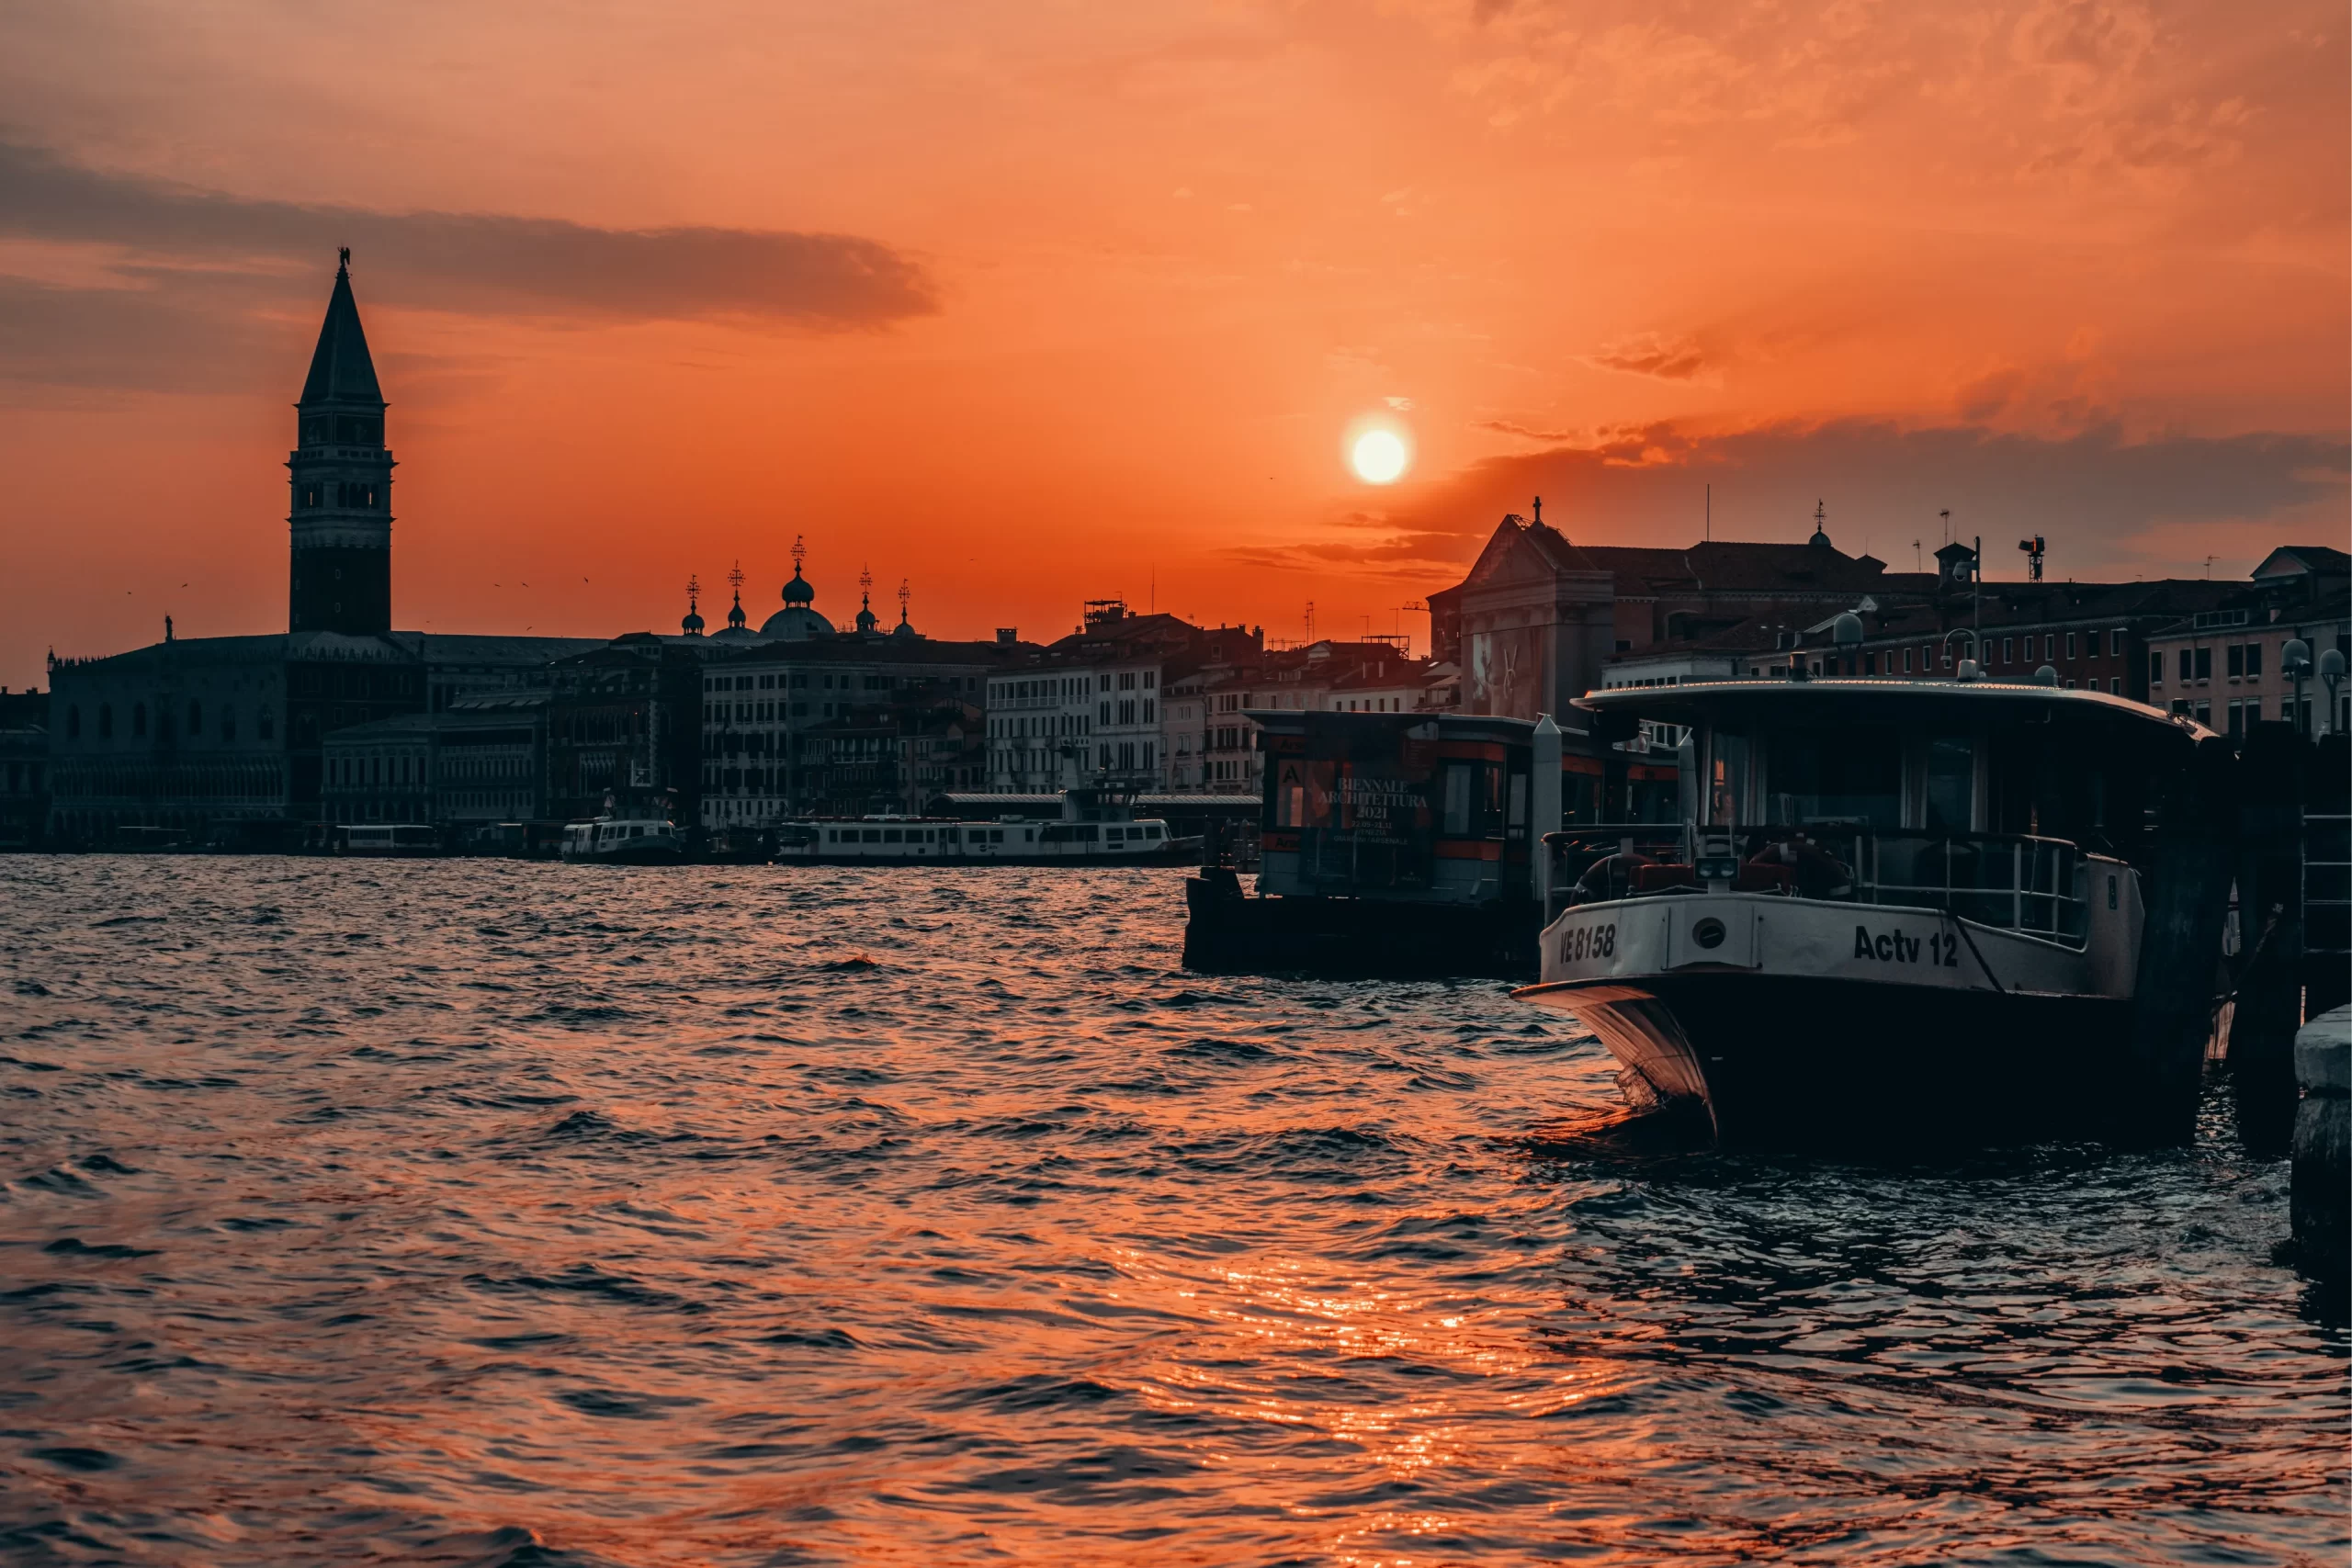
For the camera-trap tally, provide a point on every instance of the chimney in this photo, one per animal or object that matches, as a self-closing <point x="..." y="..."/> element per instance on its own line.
<point x="1006" y="635"/>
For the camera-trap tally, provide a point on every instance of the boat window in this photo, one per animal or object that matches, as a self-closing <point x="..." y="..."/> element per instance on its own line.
<point x="890" y="836"/>
<point x="871" y="835"/>
<point x="1727" y="779"/>
<point x="1086" y="834"/>
<point x="1457" y="801"/>
<point x="1151" y="832"/>
<point x="1114" y="834"/>
<point x="1951" y="785"/>
<point x="996" y="835"/>
<point x="1847" y="775"/>
<point x="1028" y="836"/>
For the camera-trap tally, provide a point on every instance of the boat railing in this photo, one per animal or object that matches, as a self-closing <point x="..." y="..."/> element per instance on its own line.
<point x="2017" y="881"/>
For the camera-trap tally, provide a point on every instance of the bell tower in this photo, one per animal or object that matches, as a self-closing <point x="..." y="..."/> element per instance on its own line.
<point x="342" y="520"/>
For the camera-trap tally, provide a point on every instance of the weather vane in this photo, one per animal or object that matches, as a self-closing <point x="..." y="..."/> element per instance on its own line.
<point x="799" y="552"/>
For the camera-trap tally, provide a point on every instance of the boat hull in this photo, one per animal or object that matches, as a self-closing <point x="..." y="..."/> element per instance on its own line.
<point x="1776" y="1059"/>
<point x="1792" y="1018"/>
<point x="653" y="853"/>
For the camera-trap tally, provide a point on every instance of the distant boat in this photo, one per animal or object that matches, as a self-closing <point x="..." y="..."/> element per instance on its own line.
<point x="388" y="839"/>
<point x="624" y="841"/>
<point x="904" y="840"/>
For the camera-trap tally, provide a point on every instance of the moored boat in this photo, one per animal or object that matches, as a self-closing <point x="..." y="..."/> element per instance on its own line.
<point x="624" y="841"/>
<point x="1891" y="905"/>
<point x="906" y="841"/>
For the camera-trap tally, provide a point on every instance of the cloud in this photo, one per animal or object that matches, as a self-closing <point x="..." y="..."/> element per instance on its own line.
<point x="2110" y="506"/>
<point x="196" y="253"/>
<point x="1668" y="359"/>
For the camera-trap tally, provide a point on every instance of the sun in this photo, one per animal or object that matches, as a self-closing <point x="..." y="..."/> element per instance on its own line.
<point x="1379" y="457"/>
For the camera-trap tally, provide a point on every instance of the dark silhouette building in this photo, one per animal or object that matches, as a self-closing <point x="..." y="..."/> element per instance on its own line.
<point x="342" y="482"/>
<point x="225" y="737"/>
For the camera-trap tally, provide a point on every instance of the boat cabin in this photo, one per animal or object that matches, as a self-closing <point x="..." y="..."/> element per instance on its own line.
<point x="1989" y="799"/>
<point x="1434" y="809"/>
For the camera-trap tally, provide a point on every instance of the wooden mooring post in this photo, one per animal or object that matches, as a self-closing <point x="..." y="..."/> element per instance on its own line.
<point x="2181" y="948"/>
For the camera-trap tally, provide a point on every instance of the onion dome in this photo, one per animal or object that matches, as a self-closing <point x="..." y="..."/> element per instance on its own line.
<point x="797" y="591"/>
<point x="691" y="626"/>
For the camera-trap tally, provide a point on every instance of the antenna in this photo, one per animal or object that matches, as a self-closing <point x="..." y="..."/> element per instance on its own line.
<point x="1946" y="515"/>
<point x="1917" y="565"/>
<point x="1711" y="512"/>
<point x="1310" y="617"/>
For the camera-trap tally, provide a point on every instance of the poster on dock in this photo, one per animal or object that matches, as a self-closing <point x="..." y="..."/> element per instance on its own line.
<point x="1360" y="797"/>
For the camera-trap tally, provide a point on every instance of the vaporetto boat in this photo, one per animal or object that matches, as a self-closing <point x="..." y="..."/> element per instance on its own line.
<point x="1906" y="901"/>
<point x="901" y="840"/>
<point x="624" y="841"/>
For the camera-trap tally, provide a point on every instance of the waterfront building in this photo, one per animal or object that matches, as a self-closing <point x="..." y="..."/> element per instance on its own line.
<point x="891" y="758"/>
<point x="1538" y="618"/>
<point x="225" y="737"/>
<point x="2226" y="666"/>
<point x="1087" y="711"/>
<point x="622" y="735"/>
<point x="23" y="768"/>
<point x="480" y="761"/>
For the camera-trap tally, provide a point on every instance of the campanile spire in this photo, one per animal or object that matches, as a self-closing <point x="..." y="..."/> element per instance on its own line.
<point x="342" y="474"/>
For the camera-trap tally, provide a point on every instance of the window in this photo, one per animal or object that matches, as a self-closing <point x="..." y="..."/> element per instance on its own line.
<point x="228" y="724"/>
<point x="2070" y="645"/>
<point x="138" y="719"/>
<point x="194" y="719"/>
<point x="1906" y="663"/>
<point x="2254" y="661"/>
<point x="2156" y="669"/>
<point x="73" y="723"/>
<point x="2008" y="649"/>
<point x="265" y="726"/>
<point x="2187" y="665"/>
<point x="2233" y="662"/>
<point x="2115" y="642"/>
<point x="2204" y="665"/>
<point x="2115" y="685"/>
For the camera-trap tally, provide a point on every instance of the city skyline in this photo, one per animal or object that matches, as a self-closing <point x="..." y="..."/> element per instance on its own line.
<point x="2071" y="271"/>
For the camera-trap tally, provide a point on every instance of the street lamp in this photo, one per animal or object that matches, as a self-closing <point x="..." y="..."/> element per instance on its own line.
<point x="2295" y="663"/>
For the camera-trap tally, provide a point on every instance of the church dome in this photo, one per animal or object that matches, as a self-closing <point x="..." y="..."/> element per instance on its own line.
<point x="797" y="591"/>
<point x="796" y="623"/>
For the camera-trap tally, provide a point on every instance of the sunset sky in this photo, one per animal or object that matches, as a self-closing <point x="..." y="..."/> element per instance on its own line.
<point x="1032" y="304"/>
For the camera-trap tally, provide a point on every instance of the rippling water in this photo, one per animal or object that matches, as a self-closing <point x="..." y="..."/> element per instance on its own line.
<point x="475" y="1211"/>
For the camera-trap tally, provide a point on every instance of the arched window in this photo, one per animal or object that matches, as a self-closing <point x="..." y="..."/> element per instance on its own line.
<point x="106" y="721"/>
<point x="264" y="725"/>
<point x="73" y="723"/>
<point x="228" y="724"/>
<point x="138" y="721"/>
<point x="194" y="719"/>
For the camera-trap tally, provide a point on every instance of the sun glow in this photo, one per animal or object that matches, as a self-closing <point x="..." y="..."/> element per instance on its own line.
<point x="1379" y="457"/>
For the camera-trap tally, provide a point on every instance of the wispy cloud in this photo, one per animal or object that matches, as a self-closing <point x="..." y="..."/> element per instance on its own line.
<point x="193" y="258"/>
<point x="1667" y="358"/>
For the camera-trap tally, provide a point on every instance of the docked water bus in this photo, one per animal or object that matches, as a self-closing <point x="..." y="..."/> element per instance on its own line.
<point x="1893" y="898"/>
<point x="911" y="840"/>
<point x="624" y="841"/>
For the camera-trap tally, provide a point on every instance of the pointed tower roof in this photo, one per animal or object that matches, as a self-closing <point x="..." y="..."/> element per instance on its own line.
<point x="341" y="369"/>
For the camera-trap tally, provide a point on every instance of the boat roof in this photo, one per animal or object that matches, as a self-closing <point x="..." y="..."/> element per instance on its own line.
<point x="1845" y="698"/>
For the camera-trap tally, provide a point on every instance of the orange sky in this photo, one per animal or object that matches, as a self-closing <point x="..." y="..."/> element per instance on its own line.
<point x="1033" y="304"/>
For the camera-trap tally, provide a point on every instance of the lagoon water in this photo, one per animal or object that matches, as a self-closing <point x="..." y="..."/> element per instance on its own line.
<point x="503" y="1213"/>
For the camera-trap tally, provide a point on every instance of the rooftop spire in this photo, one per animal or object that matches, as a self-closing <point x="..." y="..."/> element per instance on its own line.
<point x="341" y="369"/>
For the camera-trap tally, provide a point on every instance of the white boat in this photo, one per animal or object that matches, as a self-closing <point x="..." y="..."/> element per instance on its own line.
<point x="903" y="841"/>
<point x="624" y="841"/>
<point x="388" y="839"/>
<point x="1886" y="898"/>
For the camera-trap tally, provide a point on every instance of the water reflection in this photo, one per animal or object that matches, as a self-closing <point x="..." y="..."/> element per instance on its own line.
<point x="439" y="1208"/>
